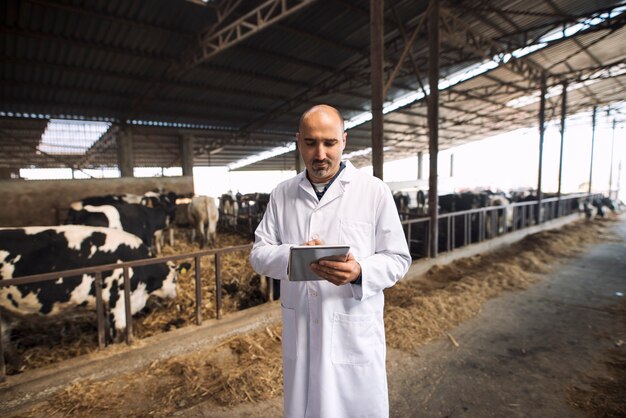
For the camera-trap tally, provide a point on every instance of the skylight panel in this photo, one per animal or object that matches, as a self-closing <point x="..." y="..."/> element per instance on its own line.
<point x="71" y="137"/>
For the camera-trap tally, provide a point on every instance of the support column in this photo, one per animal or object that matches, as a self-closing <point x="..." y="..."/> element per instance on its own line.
<point x="542" y="129"/>
<point x="563" y="116"/>
<point x="298" y="159"/>
<point x="611" y="166"/>
<point x="376" y="62"/>
<point x="593" y="142"/>
<point x="433" y="121"/>
<point x="186" y="155"/>
<point x="451" y="165"/>
<point x="125" y="157"/>
<point x="420" y="165"/>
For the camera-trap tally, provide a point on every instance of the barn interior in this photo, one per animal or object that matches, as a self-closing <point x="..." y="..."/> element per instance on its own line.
<point x="211" y="83"/>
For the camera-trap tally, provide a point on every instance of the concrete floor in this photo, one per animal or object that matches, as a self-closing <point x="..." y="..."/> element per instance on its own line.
<point x="517" y="357"/>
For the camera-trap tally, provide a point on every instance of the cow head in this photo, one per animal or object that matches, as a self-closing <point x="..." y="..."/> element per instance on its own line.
<point x="167" y="288"/>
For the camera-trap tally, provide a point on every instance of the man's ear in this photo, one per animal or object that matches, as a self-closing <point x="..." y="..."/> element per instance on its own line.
<point x="345" y="137"/>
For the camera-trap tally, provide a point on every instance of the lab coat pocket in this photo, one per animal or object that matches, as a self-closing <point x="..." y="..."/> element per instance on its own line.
<point x="290" y="334"/>
<point x="355" y="338"/>
<point x="359" y="235"/>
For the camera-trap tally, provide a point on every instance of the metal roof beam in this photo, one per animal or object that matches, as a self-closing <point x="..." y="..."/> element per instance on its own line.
<point x="585" y="49"/>
<point x="133" y="54"/>
<point x="252" y="22"/>
<point x="456" y="30"/>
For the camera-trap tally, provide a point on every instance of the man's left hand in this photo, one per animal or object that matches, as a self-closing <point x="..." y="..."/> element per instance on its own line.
<point x="338" y="272"/>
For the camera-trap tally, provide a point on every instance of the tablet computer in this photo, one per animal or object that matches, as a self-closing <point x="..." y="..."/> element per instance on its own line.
<point x="301" y="256"/>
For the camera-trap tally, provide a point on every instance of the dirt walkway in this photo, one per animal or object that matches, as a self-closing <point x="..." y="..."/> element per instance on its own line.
<point x="530" y="353"/>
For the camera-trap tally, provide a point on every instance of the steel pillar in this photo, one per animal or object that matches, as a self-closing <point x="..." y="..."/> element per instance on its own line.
<point x="376" y="61"/>
<point x="451" y="165"/>
<point x="298" y="159"/>
<point x="433" y="121"/>
<point x="611" y="166"/>
<point x="563" y="115"/>
<point x="542" y="129"/>
<point x="593" y="142"/>
<point x="420" y="165"/>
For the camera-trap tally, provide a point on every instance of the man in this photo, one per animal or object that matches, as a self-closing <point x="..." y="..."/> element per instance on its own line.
<point x="333" y="333"/>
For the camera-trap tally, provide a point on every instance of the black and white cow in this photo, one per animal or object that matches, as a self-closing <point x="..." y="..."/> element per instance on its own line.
<point x="140" y="220"/>
<point x="402" y="200"/>
<point x="43" y="249"/>
<point x="109" y="199"/>
<point x="161" y="202"/>
<point x="229" y="208"/>
<point x="252" y="208"/>
<point x="203" y="215"/>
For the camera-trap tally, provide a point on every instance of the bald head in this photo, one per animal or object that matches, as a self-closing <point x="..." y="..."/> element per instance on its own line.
<point x="323" y="110"/>
<point x="321" y="141"/>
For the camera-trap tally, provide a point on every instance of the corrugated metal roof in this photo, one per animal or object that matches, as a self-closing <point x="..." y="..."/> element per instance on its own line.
<point x="125" y="61"/>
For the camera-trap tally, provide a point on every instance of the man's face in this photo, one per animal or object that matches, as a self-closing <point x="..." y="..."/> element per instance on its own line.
<point x="321" y="141"/>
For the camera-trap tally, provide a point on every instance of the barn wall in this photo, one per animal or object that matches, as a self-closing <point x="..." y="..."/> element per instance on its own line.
<point x="45" y="202"/>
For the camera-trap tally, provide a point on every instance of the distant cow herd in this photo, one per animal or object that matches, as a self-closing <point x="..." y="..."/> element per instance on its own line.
<point x="471" y="216"/>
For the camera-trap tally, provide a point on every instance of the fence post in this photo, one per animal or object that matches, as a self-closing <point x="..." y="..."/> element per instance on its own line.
<point x="218" y="284"/>
<point x="100" y="311"/>
<point x="198" y="276"/>
<point x="3" y="367"/>
<point x="129" y="316"/>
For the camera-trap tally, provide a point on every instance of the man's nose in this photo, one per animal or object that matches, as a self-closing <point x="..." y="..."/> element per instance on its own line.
<point x="320" y="152"/>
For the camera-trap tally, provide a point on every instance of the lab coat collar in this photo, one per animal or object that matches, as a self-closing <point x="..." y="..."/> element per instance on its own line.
<point x="335" y="190"/>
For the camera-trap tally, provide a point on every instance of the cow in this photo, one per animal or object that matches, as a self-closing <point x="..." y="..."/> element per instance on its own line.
<point x="140" y="220"/>
<point x="229" y="209"/>
<point x="43" y="249"/>
<point x="165" y="202"/>
<point x="501" y="218"/>
<point x="595" y="206"/>
<point x="203" y="215"/>
<point x="402" y="200"/>
<point x="109" y="199"/>
<point x="252" y="208"/>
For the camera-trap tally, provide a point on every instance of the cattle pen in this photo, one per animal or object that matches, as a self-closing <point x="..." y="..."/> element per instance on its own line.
<point x="97" y="271"/>
<point x="490" y="221"/>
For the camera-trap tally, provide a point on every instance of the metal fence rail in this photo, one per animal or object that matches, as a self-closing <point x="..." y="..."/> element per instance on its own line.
<point x="125" y="266"/>
<point x="459" y="229"/>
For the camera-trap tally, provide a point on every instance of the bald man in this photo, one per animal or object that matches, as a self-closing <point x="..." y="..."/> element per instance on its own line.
<point x="333" y="332"/>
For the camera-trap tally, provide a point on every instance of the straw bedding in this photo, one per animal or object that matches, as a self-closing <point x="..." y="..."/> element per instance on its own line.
<point x="51" y="340"/>
<point x="248" y="368"/>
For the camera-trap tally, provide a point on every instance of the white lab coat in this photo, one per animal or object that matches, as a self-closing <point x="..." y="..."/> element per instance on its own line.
<point x="333" y="336"/>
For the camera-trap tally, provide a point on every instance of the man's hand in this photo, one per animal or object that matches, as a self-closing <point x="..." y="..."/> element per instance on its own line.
<point x="315" y="241"/>
<point x="338" y="272"/>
